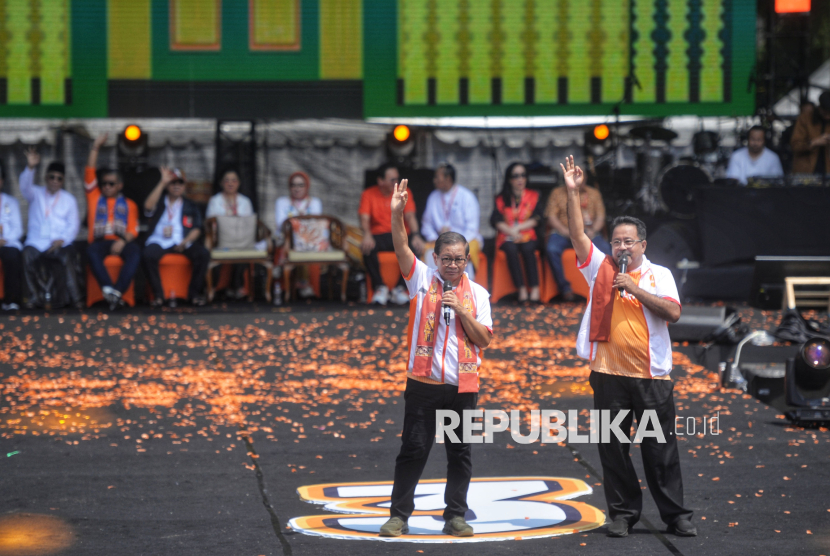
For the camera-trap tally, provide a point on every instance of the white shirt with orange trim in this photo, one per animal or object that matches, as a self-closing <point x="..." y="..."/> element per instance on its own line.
<point x="654" y="279"/>
<point x="445" y="354"/>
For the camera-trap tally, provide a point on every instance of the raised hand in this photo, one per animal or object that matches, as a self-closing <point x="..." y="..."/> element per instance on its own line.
<point x="167" y="174"/>
<point x="574" y="177"/>
<point x="32" y="157"/>
<point x="99" y="141"/>
<point x="400" y="197"/>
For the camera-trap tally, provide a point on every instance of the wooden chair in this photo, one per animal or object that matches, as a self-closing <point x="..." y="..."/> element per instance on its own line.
<point x="335" y="256"/>
<point x="250" y="257"/>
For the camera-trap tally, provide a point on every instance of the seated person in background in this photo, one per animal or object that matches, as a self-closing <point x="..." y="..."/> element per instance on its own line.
<point x="298" y="203"/>
<point x="53" y="226"/>
<point x="176" y="225"/>
<point x="231" y="203"/>
<point x="515" y="217"/>
<point x="11" y="230"/>
<point x="376" y="221"/>
<point x="556" y="212"/>
<point x="451" y="208"/>
<point x="811" y="139"/>
<point x="112" y="220"/>
<point x="754" y="159"/>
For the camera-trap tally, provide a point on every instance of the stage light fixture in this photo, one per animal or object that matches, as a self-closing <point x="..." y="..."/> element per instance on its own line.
<point x="807" y="382"/>
<point x="601" y="132"/>
<point x="132" y="133"/>
<point x="792" y="6"/>
<point x="401" y="133"/>
<point x="400" y="146"/>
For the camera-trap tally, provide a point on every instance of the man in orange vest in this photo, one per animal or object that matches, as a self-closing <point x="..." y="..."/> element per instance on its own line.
<point x="625" y="337"/>
<point x="443" y="364"/>
<point x="112" y="220"/>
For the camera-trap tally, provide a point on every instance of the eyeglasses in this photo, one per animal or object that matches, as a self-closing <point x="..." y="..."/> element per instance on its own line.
<point x="54" y="177"/>
<point x="627" y="243"/>
<point x="517" y="176"/>
<point x="446" y="261"/>
<point x="177" y="182"/>
<point x="109" y="183"/>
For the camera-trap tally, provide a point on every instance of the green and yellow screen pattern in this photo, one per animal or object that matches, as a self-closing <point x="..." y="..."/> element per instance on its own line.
<point x="414" y="57"/>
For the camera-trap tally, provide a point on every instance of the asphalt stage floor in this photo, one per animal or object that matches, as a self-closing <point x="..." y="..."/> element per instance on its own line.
<point x="190" y="431"/>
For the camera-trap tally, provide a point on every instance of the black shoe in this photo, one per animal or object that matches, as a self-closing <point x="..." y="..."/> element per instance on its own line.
<point x="157" y="303"/>
<point x="618" y="529"/>
<point x="683" y="528"/>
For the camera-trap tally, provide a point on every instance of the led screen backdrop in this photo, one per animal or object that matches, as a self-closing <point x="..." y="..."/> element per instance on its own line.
<point x="87" y="58"/>
<point x="560" y="57"/>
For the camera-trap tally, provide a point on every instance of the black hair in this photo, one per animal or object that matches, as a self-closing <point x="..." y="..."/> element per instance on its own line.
<point x="56" y="166"/>
<point x="383" y="168"/>
<point x="119" y="177"/>
<point x="506" y="188"/>
<point x="756" y="128"/>
<point x="448" y="169"/>
<point x="227" y="170"/>
<point x="630" y="220"/>
<point x="451" y="238"/>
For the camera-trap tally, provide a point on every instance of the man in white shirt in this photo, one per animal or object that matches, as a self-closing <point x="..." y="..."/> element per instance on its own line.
<point x="451" y="208"/>
<point x="442" y="368"/>
<point x="11" y="230"/>
<point x="53" y="226"/>
<point x="177" y="224"/>
<point x="754" y="159"/>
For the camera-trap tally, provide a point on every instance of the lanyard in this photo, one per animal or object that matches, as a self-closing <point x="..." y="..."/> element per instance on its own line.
<point x="301" y="211"/>
<point x="232" y="208"/>
<point x="448" y="207"/>
<point x="171" y="210"/>
<point x="48" y="210"/>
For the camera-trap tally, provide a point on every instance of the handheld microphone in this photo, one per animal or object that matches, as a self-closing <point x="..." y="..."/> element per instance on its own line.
<point x="623" y="268"/>
<point x="447" y="288"/>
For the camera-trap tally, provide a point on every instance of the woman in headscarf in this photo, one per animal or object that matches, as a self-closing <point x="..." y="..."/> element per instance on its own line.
<point x="297" y="203"/>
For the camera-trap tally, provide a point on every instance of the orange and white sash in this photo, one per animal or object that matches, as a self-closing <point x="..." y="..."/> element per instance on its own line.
<point x="428" y="328"/>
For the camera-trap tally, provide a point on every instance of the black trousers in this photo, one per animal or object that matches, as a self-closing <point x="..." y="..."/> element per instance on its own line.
<point x="12" y="263"/>
<point x="383" y="242"/>
<point x="661" y="461"/>
<point x="197" y="253"/>
<point x="422" y="400"/>
<point x="528" y="252"/>
<point x="52" y="269"/>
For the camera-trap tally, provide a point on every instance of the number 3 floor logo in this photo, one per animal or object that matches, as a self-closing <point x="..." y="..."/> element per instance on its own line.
<point x="501" y="508"/>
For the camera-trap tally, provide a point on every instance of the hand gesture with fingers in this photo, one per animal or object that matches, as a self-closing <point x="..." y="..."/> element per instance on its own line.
<point x="32" y="157"/>
<point x="400" y="197"/>
<point x="99" y="141"/>
<point x="167" y="174"/>
<point x="574" y="177"/>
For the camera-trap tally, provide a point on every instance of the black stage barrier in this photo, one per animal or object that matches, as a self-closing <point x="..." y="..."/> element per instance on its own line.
<point x="739" y="223"/>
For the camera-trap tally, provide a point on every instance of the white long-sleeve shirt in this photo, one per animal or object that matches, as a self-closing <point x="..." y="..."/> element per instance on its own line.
<point x="51" y="217"/>
<point x="11" y="227"/>
<point x="218" y="206"/>
<point x="457" y="209"/>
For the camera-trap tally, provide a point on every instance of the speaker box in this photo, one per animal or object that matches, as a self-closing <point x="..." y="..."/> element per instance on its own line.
<point x="696" y="323"/>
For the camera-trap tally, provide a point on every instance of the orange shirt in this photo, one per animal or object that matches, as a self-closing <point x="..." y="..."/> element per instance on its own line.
<point x="379" y="208"/>
<point x="93" y="194"/>
<point x="626" y="353"/>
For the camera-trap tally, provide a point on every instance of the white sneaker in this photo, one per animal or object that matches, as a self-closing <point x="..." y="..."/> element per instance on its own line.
<point x="381" y="296"/>
<point x="306" y="292"/>
<point x="400" y="296"/>
<point x="11" y="307"/>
